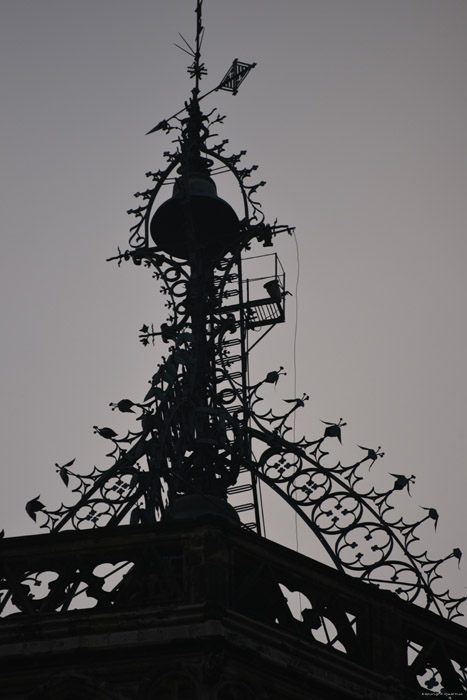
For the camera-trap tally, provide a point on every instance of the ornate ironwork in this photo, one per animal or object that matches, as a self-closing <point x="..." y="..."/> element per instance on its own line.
<point x="235" y="76"/>
<point x="204" y="427"/>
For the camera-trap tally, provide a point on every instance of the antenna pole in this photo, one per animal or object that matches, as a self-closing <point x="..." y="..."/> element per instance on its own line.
<point x="199" y="69"/>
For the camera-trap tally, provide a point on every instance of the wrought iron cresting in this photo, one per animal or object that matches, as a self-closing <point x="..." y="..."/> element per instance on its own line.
<point x="203" y="430"/>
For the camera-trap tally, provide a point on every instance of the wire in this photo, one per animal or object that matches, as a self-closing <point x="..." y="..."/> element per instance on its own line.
<point x="296" y="326"/>
<point x="295" y="362"/>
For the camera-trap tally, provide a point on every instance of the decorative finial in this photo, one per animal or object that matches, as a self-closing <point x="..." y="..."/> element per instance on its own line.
<point x="197" y="69"/>
<point x="230" y="82"/>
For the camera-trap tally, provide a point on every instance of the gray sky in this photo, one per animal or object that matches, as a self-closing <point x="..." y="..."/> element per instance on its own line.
<point x="356" y="114"/>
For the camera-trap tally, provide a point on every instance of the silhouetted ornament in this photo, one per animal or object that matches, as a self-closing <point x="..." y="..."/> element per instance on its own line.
<point x="33" y="507"/>
<point x="63" y="471"/>
<point x="205" y="434"/>
<point x="334" y="429"/>
<point x="403" y="482"/>
<point x="107" y="433"/>
<point x="194" y="218"/>
<point x="433" y="514"/>
<point x="273" y="377"/>
<point x="125" y="406"/>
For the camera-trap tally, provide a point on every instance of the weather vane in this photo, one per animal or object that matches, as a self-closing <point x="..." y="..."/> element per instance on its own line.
<point x="206" y="437"/>
<point x="230" y="82"/>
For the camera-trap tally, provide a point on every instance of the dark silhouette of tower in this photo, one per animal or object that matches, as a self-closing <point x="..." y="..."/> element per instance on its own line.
<point x="157" y="584"/>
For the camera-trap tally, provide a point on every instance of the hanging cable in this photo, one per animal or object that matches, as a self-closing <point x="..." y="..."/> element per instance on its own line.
<point x="295" y="362"/>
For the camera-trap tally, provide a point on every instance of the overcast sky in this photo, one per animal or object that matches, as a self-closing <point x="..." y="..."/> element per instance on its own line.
<point x="356" y="114"/>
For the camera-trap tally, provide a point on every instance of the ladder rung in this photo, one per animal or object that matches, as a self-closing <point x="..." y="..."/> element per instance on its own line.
<point x="244" y="508"/>
<point x="230" y="343"/>
<point x="231" y="359"/>
<point x="232" y="375"/>
<point x="239" y="489"/>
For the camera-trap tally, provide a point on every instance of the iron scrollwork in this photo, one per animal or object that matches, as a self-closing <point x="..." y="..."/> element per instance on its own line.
<point x="202" y="423"/>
